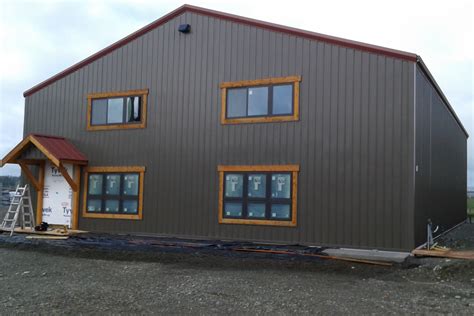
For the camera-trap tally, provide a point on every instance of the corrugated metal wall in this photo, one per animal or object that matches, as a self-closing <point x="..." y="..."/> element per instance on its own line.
<point x="441" y="156"/>
<point x="354" y="141"/>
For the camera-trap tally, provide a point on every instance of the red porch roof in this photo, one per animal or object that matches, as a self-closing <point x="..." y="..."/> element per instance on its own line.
<point x="56" y="149"/>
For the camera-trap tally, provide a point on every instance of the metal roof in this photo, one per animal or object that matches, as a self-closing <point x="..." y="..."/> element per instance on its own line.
<point x="56" y="149"/>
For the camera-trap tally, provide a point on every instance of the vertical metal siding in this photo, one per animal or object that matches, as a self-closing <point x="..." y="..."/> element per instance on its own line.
<point x="352" y="140"/>
<point x="441" y="158"/>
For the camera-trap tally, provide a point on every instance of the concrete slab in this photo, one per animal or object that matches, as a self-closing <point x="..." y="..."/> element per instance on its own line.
<point x="378" y="255"/>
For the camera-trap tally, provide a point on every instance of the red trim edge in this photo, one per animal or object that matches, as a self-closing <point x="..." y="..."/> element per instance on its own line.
<point x="230" y="17"/>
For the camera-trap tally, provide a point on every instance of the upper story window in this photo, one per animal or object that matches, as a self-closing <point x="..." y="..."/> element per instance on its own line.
<point x="258" y="195"/>
<point x="113" y="192"/>
<point x="263" y="100"/>
<point x="117" y="110"/>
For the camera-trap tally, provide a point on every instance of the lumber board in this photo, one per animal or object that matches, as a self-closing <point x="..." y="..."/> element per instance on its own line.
<point x="459" y="254"/>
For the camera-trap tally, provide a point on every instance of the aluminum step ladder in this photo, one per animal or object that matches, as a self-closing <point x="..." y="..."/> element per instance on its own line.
<point x="20" y="210"/>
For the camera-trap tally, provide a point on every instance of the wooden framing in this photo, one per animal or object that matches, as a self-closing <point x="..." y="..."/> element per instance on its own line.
<point x="261" y="82"/>
<point x="123" y="169"/>
<point x="12" y="156"/>
<point x="39" y="197"/>
<point x="75" y="199"/>
<point x="30" y="176"/>
<point x="294" y="169"/>
<point x="143" y="93"/>
<point x="74" y="186"/>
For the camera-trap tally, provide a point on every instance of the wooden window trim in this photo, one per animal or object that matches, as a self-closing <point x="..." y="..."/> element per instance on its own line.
<point x="143" y="93"/>
<point x="294" y="169"/>
<point x="295" y="80"/>
<point x="134" y="169"/>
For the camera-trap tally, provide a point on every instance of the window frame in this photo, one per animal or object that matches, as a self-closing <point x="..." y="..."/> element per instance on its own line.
<point x="117" y="94"/>
<point x="267" y="82"/>
<point x="114" y="170"/>
<point x="292" y="169"/>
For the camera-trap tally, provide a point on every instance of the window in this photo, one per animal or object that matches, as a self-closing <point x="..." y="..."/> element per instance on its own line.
<point x="117" y="110"/>
<point x="258" y="195"/>
<point x="264" y="100"/>
<point x="113" y="192"/>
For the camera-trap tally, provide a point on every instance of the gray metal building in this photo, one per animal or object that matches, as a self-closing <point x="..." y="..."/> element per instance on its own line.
<point x="372" y="146"/>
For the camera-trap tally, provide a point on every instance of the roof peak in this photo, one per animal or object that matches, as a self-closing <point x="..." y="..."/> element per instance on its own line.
<point x="230" y="17"/>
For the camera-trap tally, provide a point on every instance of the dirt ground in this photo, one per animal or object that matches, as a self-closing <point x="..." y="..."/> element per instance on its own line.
<point x="42" y="278"/>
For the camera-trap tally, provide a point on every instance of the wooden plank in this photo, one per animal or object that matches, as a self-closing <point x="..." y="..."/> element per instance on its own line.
<point x="116" y="169"/>
<point x="15" y="152"/>
<point x="258" y="168"/>
<point x="30" y="176"/>
<point x="39" y="197"/>
<point x="115" y="94"/>
<point x="54" y="232"/>
<point x="68" y="178"/>
<point x="466" y="254"/>
<point x="264" y="119"/>
<point x="75" y="198"/>
<point x="259" y="82"/>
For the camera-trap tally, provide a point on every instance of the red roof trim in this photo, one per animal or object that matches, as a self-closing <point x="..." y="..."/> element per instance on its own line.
<point x="230" y="17"/>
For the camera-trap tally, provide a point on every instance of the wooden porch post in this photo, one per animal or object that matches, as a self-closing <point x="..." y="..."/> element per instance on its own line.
<point x="39" y="197"/>
<point x="75" y="197"/>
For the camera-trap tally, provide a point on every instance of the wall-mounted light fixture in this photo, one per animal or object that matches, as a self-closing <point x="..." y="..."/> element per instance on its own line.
<point x="184" y="28"/>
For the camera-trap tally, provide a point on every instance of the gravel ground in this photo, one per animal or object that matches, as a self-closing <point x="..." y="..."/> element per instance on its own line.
<point x="45" y="279"/>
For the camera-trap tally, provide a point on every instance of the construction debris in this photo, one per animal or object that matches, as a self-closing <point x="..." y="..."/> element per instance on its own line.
<point x="445" y="253"/>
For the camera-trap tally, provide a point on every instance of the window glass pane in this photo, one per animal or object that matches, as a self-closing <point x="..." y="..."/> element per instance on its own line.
<point x="236" y="102"/>
<point x="94" y="205"/>
<point x="257" y="185"/>
<point x="111" y="206"/>
<point x="95" y="184"/>
<point x="233" y="209"/>
<point x="115" y="111"/>
<point x="133" y="109"/>
<point x="99" y="112"/>
<point x="280" y="211"/>
<point x="234" y="185"/>
<point x="256" y="210"/>
<point x="112" y="184"/>
<point x="281" y="185"/>
<point x="130" y="206"/>
<point x="283" y="99"/>
<point x="258" y="101"/>
<point x="130" y="184"/>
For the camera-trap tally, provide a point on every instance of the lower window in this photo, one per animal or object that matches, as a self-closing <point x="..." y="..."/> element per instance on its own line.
<point x="259" y="195"/>
<point x="113" y="192"/>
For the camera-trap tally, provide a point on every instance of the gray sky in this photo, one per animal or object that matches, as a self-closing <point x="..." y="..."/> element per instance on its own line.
<point x="40" y="38"/>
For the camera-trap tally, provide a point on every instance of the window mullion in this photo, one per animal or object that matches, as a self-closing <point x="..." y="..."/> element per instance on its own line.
<point x="245" y="195"/>
<point x="270" y="101"/>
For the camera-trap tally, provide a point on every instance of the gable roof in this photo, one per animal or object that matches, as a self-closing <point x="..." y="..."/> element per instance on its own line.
<point x="256" y="23"/>
<point x="56" y="149"/>
<point x="229" y="17"/>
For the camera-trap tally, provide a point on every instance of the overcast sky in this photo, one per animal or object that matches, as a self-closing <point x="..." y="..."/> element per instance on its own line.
<point x="40" y="38"/>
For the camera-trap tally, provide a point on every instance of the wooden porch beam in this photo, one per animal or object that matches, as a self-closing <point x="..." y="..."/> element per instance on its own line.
<point x="30" y="176"/>
<point x="68" y="178"/>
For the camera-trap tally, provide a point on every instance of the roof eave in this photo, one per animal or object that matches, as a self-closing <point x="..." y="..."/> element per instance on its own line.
<point x="427" y="72"/>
